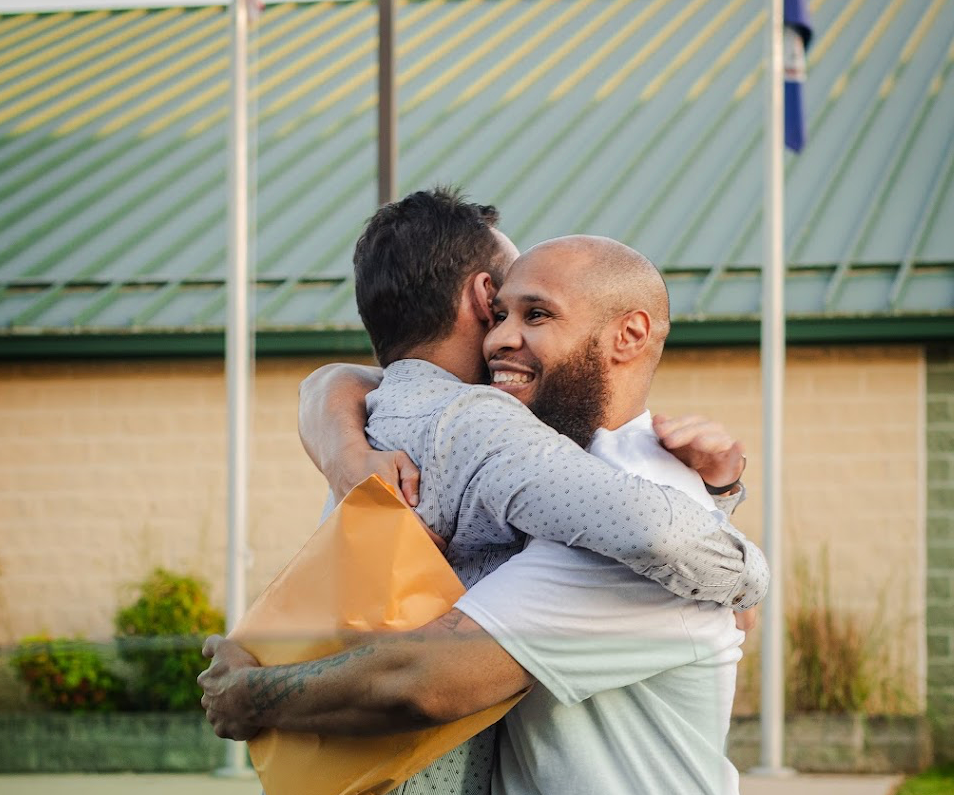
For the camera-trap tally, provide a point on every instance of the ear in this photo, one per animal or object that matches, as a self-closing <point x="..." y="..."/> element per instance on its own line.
<point x="482" y="292"/>
<point x="631" y="335"/>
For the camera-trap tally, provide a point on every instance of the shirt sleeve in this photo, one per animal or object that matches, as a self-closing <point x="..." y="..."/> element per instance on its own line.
<point x="727" y="503"/>
<point x="581" y="624"/>
<point x="519" y="472"/>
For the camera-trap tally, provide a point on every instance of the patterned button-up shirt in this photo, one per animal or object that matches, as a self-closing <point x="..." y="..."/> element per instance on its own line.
<point x="492" y="473"/>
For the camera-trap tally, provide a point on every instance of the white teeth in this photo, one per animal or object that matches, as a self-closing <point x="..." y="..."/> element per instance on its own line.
<point x="503" y="377"/>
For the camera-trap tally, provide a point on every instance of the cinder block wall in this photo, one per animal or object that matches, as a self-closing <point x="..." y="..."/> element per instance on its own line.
<point x="940" y="548"/>
<point x="853" y="482"/>
<point x="108" y="469"/>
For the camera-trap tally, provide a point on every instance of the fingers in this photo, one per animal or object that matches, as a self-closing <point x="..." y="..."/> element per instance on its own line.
<point x="210" y="646"/>
<point x="745" y="620"/>
<point x="409" y="476"/>
<point x="666" y="425"/>
<point x="709" y="438"/>
<point x="439" y="542"/>
<point x="703" y="434"/>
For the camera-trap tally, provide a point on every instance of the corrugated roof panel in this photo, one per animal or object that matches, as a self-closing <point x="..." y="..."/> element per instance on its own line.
<point x="921" y="161"/>
<point x="122" y="308"/>
<point x="13" y="303"/>
<point x="63" y="312"/>
<point x="938" y="240"/>
<point x="640" y="120"/>
<point x="683" y="289"/>
<point x="868" y="293"/>
<point x="739" y="295"/>
<point x="805" y="291"/>
<point x="873" y="126"/>
<point x="176" y="308"/>
<point x="310" y="304"/>
<point x="930" y="291"/>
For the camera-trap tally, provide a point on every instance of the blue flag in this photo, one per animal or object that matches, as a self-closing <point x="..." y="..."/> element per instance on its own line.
<point x="798" y="35"/>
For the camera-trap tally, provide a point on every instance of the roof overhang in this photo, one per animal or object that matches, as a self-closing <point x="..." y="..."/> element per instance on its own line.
<point x="353" y="342"/>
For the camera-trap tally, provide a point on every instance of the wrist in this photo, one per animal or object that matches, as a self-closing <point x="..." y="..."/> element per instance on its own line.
<point x="717" y="486"/>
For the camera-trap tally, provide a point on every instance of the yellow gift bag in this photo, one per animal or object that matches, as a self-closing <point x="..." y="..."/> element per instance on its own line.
<point x="369" y="567"/>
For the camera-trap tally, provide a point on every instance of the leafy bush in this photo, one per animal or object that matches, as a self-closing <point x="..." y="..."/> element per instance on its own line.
<point x="68" y="675"/>
<point x="161" y="635"/>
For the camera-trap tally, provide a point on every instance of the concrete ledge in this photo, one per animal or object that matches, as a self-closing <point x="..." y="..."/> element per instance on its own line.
<point x="823" y="743"/>
<point x="46" y="742"/>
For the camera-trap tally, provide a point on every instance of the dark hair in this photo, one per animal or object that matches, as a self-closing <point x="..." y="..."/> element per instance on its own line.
<point x="410" y="265"/>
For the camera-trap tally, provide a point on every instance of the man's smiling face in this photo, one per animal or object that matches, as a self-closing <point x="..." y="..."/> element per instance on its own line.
<point x="546" y="347"/>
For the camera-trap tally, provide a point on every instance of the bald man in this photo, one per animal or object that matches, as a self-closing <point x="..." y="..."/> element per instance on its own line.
<point x="485" y="446"/>
<point x="637" y="684"/>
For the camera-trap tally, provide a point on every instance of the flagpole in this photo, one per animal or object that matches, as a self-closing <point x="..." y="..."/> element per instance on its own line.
<point x="237" y="350"/>
<point x="773" y="375"/>
<point x="387" y="103"/>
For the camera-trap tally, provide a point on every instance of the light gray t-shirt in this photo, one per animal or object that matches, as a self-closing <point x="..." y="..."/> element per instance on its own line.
<point x="491" y="472"/>
<point x="635" y="684"/>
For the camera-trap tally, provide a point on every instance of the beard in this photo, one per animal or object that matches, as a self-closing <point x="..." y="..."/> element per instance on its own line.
<point x="573" y="396"/>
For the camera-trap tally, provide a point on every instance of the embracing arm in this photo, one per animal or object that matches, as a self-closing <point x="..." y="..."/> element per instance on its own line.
<point x="331" y="420"/>
<point x="399" y="682"/>
<point x="525" y="475"/>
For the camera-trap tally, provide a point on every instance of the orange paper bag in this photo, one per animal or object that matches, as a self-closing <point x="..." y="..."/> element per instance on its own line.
<point x="369" y="567"/>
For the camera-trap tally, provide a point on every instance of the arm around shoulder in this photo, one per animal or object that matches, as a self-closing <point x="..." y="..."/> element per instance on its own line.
<point x="522" y="474"/>
<point x="393" y="683"/>
<point x="331" y="419"/>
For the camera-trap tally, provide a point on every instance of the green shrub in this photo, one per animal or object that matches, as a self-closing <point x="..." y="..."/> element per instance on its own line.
<point x="161" y="635"/>
<point x="68" y="675"/>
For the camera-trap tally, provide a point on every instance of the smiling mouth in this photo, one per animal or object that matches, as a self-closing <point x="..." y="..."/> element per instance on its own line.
<point x="511" y="378"/>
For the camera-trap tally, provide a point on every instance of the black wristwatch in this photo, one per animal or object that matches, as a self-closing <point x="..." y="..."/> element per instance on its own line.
<point x="715" y="491"/>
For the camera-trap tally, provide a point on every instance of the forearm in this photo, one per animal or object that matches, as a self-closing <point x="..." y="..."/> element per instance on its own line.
<point x="447" y="670"/>
<point x="534" y="480"/>
<point x="657" y="531"/>
<point x="331" y="410"/>
<point x="361" y="691"/>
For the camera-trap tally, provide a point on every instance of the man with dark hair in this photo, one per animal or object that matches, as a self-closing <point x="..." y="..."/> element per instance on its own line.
<point x="490" y="472"/>
<point x="411" y="262"/>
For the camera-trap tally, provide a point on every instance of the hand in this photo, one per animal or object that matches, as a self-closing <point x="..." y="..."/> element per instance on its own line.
<point x="702" y="445"/>
<point x="225" y="702"/>
<point x="745" y="620"/>
<point x="393" y="467"/>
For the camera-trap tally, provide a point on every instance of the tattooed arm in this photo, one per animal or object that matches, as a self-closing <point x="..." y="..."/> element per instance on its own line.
<point x="444" y="671"/>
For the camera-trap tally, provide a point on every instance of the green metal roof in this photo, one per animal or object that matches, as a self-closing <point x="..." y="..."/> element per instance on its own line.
<point x="638" y="119"/>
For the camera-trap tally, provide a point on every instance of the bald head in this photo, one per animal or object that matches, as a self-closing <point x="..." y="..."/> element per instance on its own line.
<point x="613" y="278"/>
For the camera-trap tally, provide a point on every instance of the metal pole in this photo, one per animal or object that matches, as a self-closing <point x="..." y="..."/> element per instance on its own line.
<point x="387" y="105"/>
<point x="237" y="348"/>
<point x="773" y="376"/>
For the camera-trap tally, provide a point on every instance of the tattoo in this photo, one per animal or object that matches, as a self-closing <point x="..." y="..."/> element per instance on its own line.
<point x="450" y="621"/>
<point x="270" y="686"/>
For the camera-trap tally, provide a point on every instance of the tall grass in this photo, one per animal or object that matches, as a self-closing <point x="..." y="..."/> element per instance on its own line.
<point x="838" y="661"/>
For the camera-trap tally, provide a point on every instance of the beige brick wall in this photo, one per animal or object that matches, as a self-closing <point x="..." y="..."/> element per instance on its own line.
<point x="109" y="469"/>
<point x="852" y="472"/>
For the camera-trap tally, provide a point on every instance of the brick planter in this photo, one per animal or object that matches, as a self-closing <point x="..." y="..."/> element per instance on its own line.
<point x="823" y="743"/>
<point x="46" y="742"/>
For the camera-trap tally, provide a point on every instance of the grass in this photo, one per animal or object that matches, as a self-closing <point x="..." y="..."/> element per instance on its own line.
<point x="936" y="781"/>
<point x="838" y="661"/>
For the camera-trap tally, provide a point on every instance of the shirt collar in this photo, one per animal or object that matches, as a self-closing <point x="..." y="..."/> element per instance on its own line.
<point x="641" y="424"/>
<point x="415" y="369"/>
